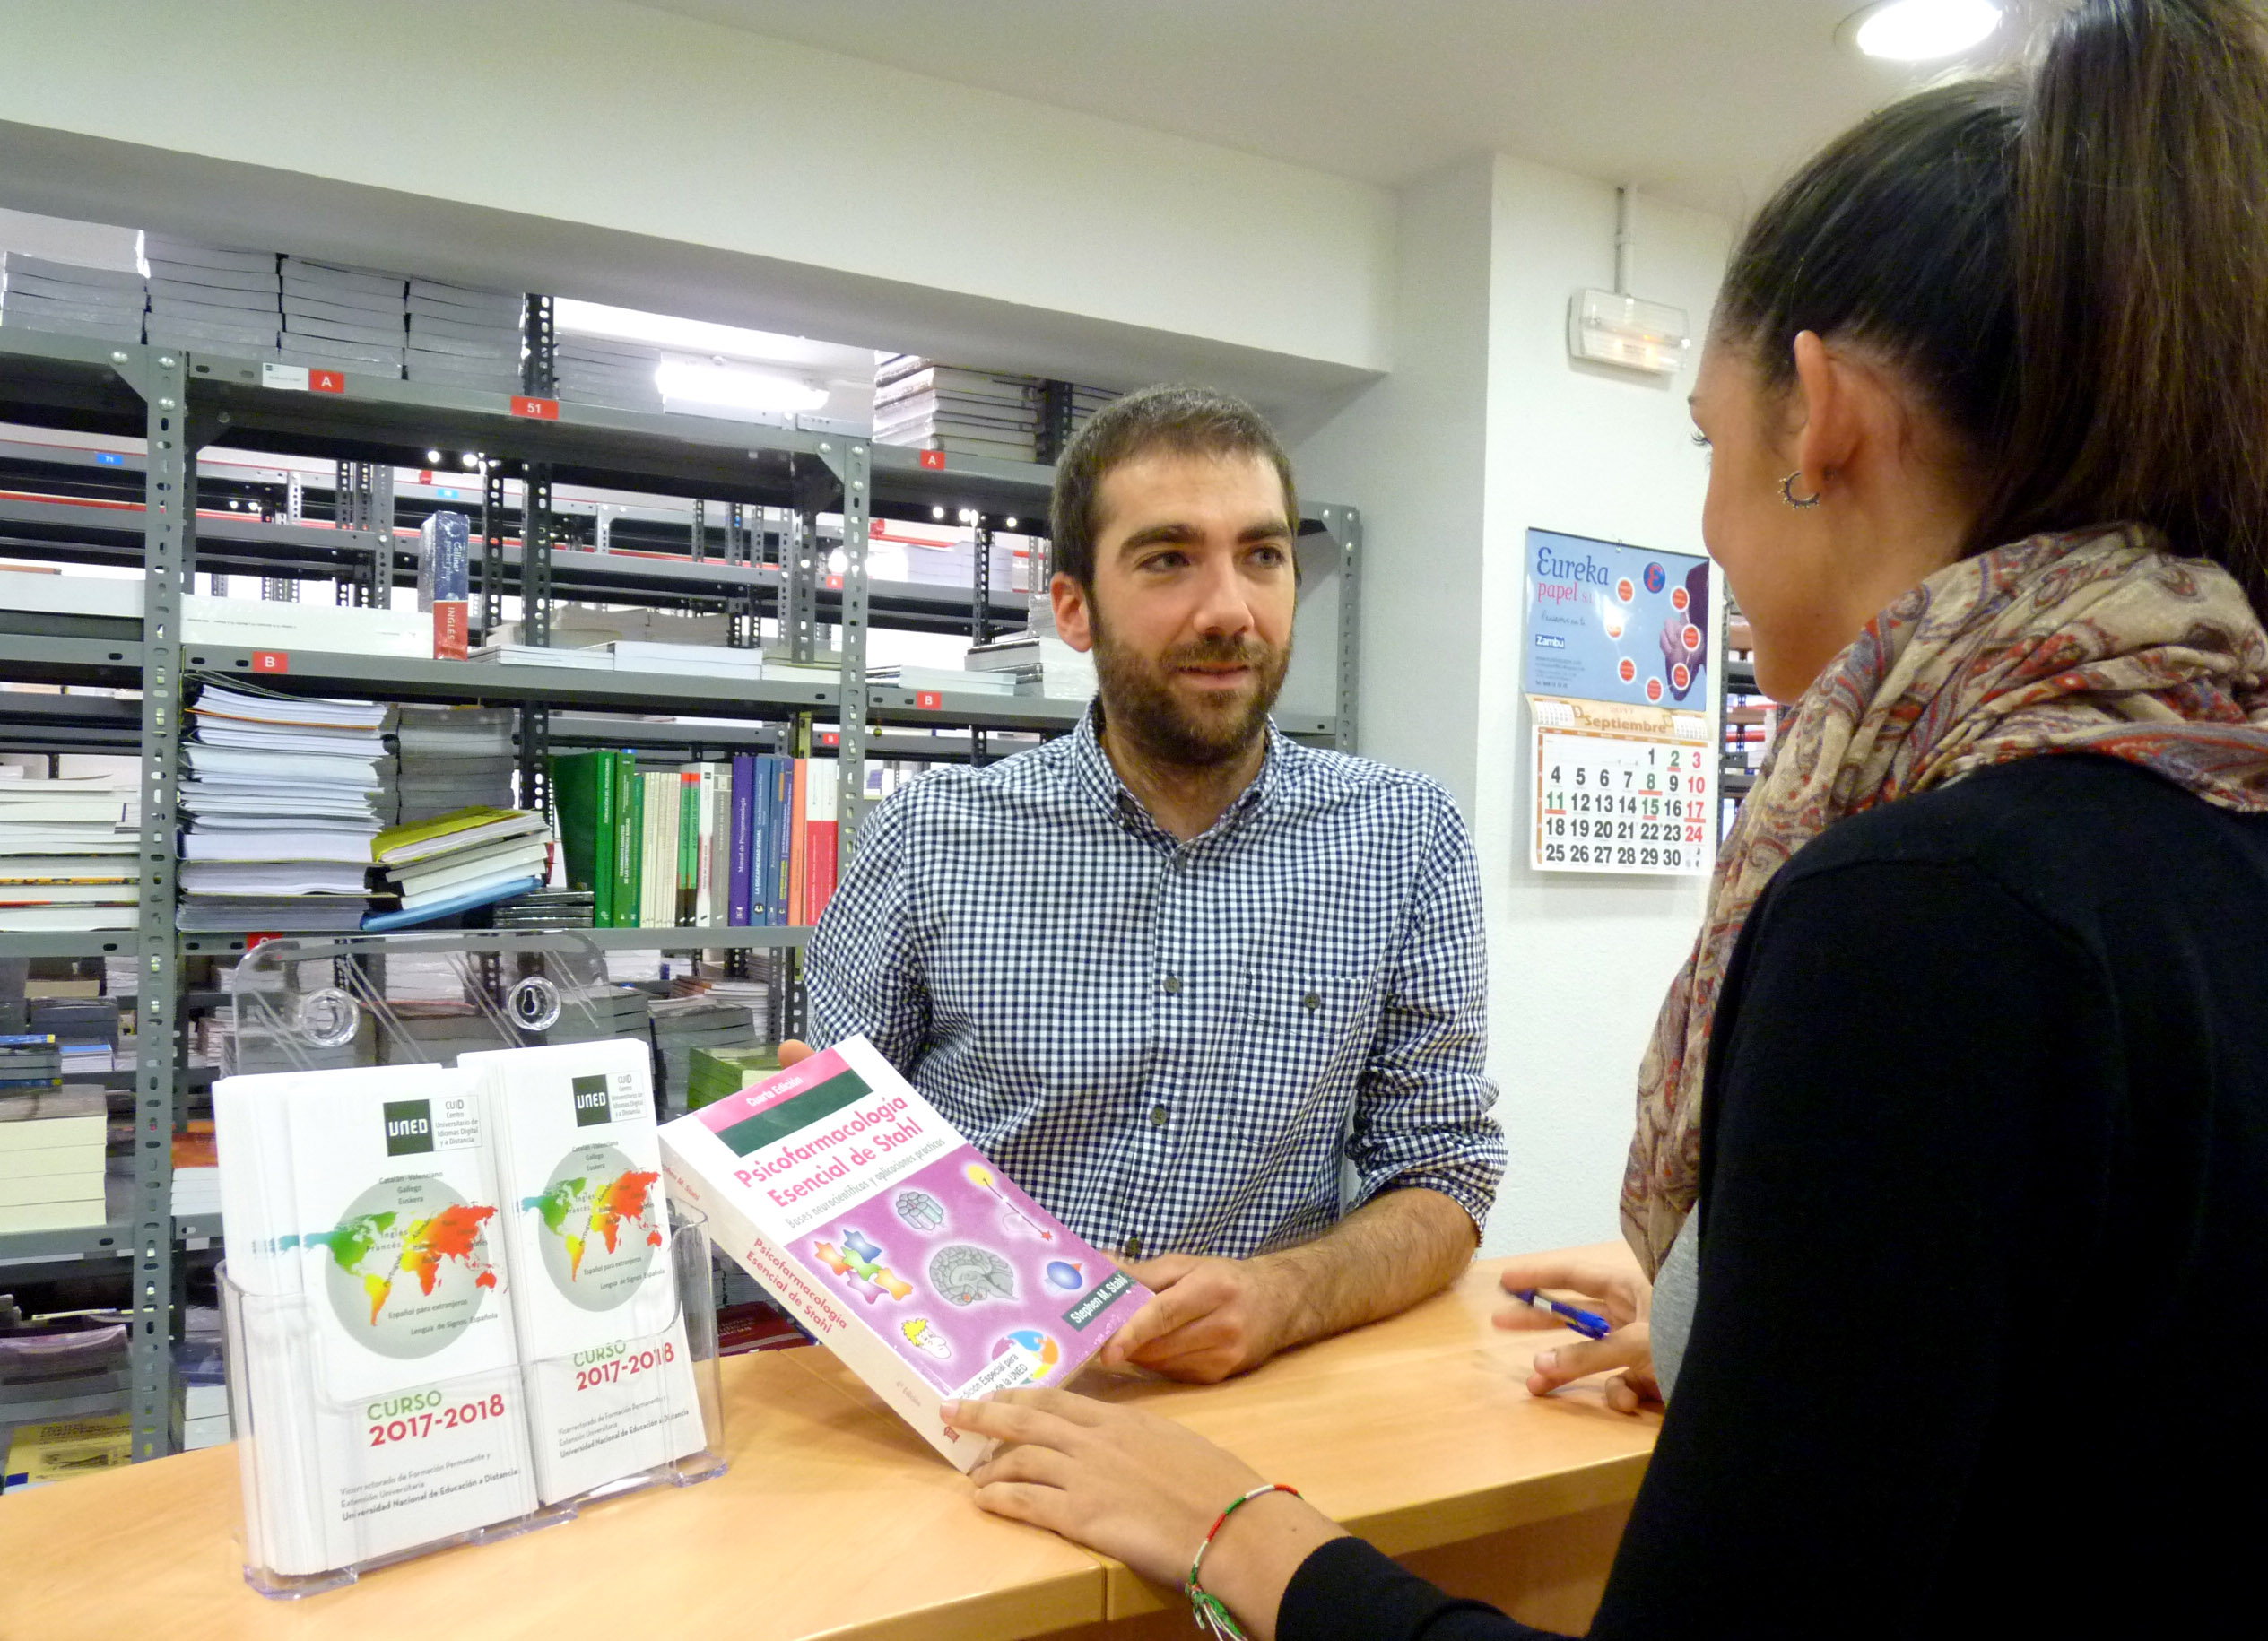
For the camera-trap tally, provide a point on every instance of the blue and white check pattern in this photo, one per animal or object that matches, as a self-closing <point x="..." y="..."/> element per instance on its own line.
<point x="1177" y="1047"/>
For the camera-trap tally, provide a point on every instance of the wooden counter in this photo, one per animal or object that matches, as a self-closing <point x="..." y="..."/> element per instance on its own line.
<point x="835" y="1520"/>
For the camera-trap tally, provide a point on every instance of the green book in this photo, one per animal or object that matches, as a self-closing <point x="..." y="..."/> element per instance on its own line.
<point x="689" y="849"/>
<point x="630" y="832"/>
<point x="582" y="804"/>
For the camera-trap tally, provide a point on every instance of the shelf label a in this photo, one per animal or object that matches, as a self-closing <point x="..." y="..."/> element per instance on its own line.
<point x="543" y="410"/>
<point x="302" y="379"/>
<point x="933" y="460"/>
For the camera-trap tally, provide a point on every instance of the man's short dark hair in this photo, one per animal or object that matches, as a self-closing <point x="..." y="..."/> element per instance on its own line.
<point x="1184" y="421"/>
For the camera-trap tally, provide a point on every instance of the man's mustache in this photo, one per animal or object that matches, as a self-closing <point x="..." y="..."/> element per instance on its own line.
<point x="1223" y="652"/>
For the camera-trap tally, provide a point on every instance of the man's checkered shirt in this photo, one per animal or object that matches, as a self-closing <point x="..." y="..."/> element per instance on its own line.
<point x="1175" y="1046"/>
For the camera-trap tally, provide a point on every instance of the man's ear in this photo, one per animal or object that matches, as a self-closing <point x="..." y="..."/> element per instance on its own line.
<point x="1075" y="616"/>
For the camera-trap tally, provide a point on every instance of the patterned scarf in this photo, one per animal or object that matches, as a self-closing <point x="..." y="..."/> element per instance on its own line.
<point x="2099" y="642"/>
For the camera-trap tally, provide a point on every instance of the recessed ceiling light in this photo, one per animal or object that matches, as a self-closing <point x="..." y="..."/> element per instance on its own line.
<point x="1918" y="31"/>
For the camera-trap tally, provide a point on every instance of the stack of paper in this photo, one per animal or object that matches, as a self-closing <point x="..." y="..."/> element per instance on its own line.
<point x="455" y="862"/>
<point x="30" y="1062"/>
<point x="716" y="1072"/>
<point x="68" y="299"/>
<point x="55" y="1369"/>
<point x="610" y="1391"/>
<point x="285" y="795"/>
<point x="696" y="660"/>
<point x="683" y="1026"/>
<point x="455" y="758"/>
<point x="63" y="1449"/>
<point x="594" y="660"/>
<point x="196" y="1171"/>
<point x="1084" y="403"/>
<point x="600" y="371"/>
<point x="378" y="1359"/>
<point x="940" y="407"/>
<point x="85" y="1031"/>
<point x="200" y="1381"/>
<point x="1039" y="663"/>
<point x="67" y="853"/>
<point x="52" y="1143"/>
<point x="463" y="336"/>
<point x="209" y="300"/>
<point x="938" y="678"/>
<point x="343" y="319"/>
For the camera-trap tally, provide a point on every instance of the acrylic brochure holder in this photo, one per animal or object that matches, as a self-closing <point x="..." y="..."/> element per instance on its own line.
<point x="343" y="1468"/>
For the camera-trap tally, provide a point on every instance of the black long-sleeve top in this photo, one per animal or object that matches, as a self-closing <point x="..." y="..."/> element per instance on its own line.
<point x="1982" y="1299"/>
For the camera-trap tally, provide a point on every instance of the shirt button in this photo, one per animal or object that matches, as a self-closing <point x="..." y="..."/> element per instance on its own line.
<point x="1310" y="1002"/>
<point x="1158" y="1116"/>
<point x="1173" y="983"/>
<point x="1134" y="1247"/>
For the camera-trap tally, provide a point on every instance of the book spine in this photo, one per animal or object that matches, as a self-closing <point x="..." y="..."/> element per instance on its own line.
<point x="821" y="807"/>
<point x="603" y="849"/>
<point x="689" y="848"/>
<point x="705" y="891"/>
<point x="783" y="836"/>
<point x="654" y="912"/>
<point x="630" y="818"/>
<point x="743" y="839"/>
<point x="716" y="906"/>
<point x="799" y="842"/>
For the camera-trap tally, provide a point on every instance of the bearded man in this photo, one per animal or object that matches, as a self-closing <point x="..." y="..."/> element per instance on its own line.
<point x="1216" y="998"/>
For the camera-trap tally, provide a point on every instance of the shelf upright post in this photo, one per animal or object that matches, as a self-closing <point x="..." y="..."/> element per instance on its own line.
<point x="799" y="575"/>
<point x="740" y="609"/>
<point x="701" y="531"/>
<point x="1345" y="526"/>
<point x="535" y="627"/>
<point x="282" y="590"/>
<point x="381" y="521"/>
<point x="492" y="549"/>
<point x="979" y="616"/>
<point x="1054" y="420"/>
<point x="169" y="551"/>
<point x="852" y="461"/>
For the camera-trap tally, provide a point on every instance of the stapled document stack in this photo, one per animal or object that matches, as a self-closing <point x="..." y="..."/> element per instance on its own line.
<point x="69" y="300"/>
<point x="343" y="319"/>
<point x="208" y="299"/>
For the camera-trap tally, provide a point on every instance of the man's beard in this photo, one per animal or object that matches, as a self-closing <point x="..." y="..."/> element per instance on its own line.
<point x="1140" y="704"/>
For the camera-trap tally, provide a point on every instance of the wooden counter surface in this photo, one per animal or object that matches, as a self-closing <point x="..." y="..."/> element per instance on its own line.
<point x="835" y="1520"/>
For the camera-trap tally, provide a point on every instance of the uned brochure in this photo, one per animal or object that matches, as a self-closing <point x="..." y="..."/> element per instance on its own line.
<point x="894" y="1241"/>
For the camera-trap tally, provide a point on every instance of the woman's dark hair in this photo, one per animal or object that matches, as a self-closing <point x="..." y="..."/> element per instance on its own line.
<point x="2073" y="267"/>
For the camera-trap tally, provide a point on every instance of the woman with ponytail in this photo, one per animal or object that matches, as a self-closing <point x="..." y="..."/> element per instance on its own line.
<point x="1956" y="1121"/>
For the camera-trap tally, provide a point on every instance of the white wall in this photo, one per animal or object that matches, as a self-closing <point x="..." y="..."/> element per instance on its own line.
<point x="814" y="184"/>
<point x="1486" y="429"/>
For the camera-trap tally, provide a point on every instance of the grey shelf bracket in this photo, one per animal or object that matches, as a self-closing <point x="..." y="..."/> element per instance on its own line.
<point x="1345" y="526"/>
<point x="851" y="460"/>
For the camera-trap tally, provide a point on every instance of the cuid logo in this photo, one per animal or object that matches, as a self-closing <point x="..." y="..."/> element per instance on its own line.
<point x="592" y="1102"/>
<point x="409" y="1126"/>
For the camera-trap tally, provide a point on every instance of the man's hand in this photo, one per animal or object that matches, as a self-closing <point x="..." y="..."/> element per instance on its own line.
<point x="1616" y="1290"/>
<point x="1210" y="1318"/>
<point x="794" y="1051"/>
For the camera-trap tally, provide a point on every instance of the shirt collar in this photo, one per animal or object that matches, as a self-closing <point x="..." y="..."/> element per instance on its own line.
<point x="1097" y="777"/>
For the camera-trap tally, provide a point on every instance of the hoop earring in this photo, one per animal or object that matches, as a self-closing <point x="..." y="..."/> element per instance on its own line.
<point x="1788" y="495"/>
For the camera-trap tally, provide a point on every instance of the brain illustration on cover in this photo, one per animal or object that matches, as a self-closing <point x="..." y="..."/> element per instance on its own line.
<point x="601" y="1225"/>
<point x="408" y="1265"/>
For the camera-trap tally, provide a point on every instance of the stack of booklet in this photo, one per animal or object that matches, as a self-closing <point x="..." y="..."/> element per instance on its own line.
<point x="453" y="758"/>
<point x="601" y="371"/>
<point x="52" y="1144"/>
<point x="944" y="679"/>
<point x="941" y="407"/>
<point x="69" y="300"/>
<point x="467" y="858"/>
<point x="68" y="858"/>
<point x="456" y="1296"/>
<point x="464" y="336"/>
<point x="343" y="319"/>
<point x="214" y="301"/>
<point x="30" y="1062"/>
<point x="285" y="795"/>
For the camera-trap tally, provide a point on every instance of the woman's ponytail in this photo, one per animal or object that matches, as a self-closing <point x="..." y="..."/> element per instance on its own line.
<point x="2140" y="258"/>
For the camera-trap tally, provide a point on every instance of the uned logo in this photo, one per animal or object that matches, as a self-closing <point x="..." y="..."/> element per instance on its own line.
<point x="409" y="1126"/>
<point x="593" y="1104"/>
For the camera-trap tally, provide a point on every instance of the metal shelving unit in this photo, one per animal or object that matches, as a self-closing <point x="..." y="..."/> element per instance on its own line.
<point x="142" y="511"/>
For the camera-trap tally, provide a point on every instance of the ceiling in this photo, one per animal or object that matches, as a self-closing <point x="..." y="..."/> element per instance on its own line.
<point x="1703" y="102"/>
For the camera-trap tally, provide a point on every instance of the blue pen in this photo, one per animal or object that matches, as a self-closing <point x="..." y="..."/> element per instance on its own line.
<point x="1589" y="1323"/>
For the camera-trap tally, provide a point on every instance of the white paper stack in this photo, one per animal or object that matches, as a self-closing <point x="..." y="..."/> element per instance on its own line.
<point x="211" y="299"/>
<point x="51" y="1157"/>
<point x="595" y="659"/>
<point x="343" y="319"/>
<point x="69" y="300"/>
<point x="463" y="859"/>
<point x="696" y="660"/>
<point x="1084" y="403"/>
<point x="601" y="371"/>
<point x="455" y="758"/>
<point x="944" y="679"/>
<point x="610" y="1391"/>
<point x="465" y="336"/>
<point x="942" y="407"/>
<point x="377" y="1374"/>
<point x="68" y="858"/>
<point x="284" y="796"/>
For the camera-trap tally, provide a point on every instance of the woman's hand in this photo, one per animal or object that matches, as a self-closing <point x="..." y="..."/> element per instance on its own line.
<point x="1617" y="1291"/>
<point x="1142" y="1489"/>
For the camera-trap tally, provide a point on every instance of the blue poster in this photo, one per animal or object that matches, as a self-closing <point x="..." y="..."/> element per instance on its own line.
<point x="1612" y="623"/>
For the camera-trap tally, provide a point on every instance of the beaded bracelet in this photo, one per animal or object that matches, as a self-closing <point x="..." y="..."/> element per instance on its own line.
<point x="1211" y="1614"/>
